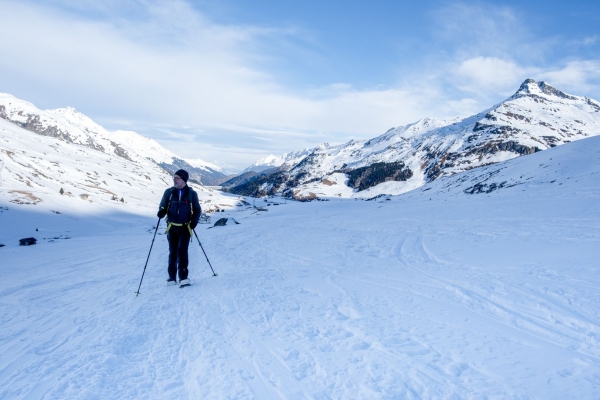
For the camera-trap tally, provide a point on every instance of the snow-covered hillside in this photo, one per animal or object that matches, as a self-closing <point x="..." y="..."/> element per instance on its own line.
<point x="537" y="117"/>
<point x="36" y="168"/>
<point x="71" y="126"/>
<point x="451" y="291"/>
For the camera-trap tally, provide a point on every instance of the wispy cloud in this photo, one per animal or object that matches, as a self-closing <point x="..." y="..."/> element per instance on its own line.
<point x="590" y="40"/>
<point x="576" y="76"/>
<point x="482" y="29"/>
<point x="489" y="49"/>
<point x="490" y="75"/>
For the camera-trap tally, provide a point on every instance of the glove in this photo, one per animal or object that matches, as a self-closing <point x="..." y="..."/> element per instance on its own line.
<point x="161" y="213"/>
<point x="193" y="225"/>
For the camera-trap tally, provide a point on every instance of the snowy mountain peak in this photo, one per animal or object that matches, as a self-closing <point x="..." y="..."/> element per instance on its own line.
<point x="541" y="88"/>
<point x="421" y="126"/>
<point x="200" y="163"/>
<point x="270" y="161"/>
<point x="71" y="115"/>
<point x="529" y="86"/>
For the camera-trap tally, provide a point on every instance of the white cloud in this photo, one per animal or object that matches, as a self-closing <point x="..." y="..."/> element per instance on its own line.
<point x="590" y="40"/>
<point x="482" y="29"/>
<point x="492" y="51"/>
<point x="491" y="75"/>
<point x="576" y="76"/>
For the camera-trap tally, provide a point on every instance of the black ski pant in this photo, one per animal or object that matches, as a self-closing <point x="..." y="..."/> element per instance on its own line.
<point x="179" y="241"/>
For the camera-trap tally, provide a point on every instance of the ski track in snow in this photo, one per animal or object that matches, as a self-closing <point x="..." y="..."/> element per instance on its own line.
<point x="491" y="296"/>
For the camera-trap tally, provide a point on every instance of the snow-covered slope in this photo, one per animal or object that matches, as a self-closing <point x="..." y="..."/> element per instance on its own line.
<point x="71" y="126"/>
<point x="36" y="168"/>
<point x="200" y="163"/>
<point x="573" y="169"/>
<point x="444" y="292"/>
<point x="535" y="118"/>
<point x="265" y="163"/>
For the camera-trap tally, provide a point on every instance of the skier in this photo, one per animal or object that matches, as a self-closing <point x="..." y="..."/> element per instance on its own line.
<point x="181" y="207"/>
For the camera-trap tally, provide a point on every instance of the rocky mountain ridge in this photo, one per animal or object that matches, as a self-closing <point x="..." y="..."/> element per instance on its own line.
<point x="537" y="117"/>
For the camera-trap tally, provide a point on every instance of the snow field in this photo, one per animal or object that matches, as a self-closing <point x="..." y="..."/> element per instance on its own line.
<point x="478" y="296"/>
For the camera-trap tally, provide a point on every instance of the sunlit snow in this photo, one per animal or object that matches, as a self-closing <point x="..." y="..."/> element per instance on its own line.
<point x="434" y="294"/>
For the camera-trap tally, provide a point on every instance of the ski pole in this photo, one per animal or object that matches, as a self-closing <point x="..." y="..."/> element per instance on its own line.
<point x="156" y="230"/>
<point x="214" y="273"/>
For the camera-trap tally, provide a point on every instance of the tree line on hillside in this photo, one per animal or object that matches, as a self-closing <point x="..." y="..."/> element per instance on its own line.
<point x="360" y="178"/>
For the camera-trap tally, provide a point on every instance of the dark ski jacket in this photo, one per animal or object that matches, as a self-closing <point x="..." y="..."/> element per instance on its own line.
<point x="186" y="210"/>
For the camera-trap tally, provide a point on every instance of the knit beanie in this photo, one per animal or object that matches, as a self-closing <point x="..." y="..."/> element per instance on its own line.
<point x="183" y="175"/>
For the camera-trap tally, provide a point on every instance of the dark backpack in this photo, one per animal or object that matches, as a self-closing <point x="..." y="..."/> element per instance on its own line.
<point x="190" y="200"/>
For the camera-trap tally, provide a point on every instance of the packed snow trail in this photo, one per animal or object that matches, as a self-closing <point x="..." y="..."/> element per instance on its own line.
<point x="462" y="296"/>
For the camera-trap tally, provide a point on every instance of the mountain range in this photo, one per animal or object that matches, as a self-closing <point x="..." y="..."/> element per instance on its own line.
<point x="71" y="126"/>
<point x="61" y="160"/>
<point x="537" y="117"/>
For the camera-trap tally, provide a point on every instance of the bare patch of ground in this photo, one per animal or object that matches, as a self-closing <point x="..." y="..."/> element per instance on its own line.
<point x="299" y="197"/>
<point x="24" y="197"/>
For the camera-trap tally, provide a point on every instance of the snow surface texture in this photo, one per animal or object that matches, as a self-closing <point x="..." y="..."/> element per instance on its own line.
<point x="442" y="293"/>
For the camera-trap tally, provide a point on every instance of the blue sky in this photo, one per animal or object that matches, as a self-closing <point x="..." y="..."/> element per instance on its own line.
<point x="232" y="81"/>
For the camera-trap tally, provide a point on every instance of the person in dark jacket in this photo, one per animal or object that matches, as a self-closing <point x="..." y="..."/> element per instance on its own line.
<point x="181" y="207"/>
